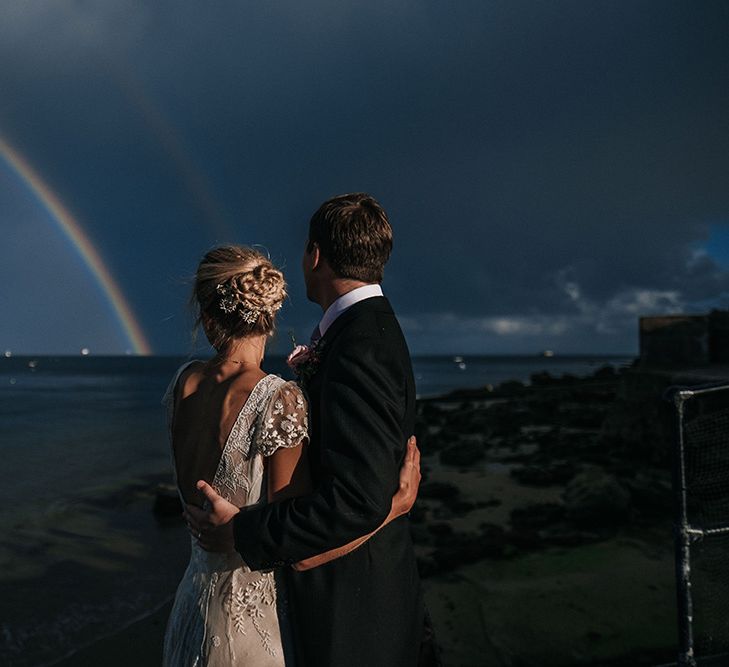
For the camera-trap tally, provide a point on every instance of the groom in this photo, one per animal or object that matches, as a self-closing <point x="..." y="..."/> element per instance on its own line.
<point x="364" y="609"/>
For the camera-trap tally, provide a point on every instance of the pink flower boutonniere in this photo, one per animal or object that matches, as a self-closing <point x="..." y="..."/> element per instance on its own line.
<point x="304" y="361"/>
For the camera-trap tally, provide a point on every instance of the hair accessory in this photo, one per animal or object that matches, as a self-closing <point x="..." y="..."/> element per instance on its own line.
<point x="231" y="301"/>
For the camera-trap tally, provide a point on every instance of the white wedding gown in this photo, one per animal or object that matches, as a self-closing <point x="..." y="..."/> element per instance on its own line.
<point x="224" y="614"/>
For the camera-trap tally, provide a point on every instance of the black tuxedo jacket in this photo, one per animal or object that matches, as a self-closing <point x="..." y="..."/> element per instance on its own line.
<point x="364" y="609"/>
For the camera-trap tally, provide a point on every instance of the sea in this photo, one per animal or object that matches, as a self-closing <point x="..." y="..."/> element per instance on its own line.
<point x="83" y="447"/>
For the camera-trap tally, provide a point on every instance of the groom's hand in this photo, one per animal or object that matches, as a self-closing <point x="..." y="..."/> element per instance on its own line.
<point x="214" y="529"/>
<point x="407" y="492"/>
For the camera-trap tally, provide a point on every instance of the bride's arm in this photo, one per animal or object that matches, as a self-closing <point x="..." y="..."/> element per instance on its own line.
<point x="288" y="472"/>
<point x="289" y="476"/>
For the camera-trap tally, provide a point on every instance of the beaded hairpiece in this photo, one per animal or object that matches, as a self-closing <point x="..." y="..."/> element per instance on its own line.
<point x="230" y="302"/>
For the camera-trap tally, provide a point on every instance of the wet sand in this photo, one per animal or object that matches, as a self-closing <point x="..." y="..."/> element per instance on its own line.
<point x="139" y="644"/>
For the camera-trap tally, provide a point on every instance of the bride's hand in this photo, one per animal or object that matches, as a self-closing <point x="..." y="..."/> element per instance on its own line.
<point x="407" y="492"/>
<point x="214" y="529"/>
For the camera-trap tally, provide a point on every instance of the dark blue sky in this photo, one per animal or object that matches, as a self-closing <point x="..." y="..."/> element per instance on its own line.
<point x="552" y="170"/>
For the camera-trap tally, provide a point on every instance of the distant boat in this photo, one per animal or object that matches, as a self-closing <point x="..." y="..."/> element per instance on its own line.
<point x="85" y="351"/>
<point x="548" y="353"/>
<point x="8" y="354"/>
<point x="457" y="360"/>
<point x="32" y="363"/>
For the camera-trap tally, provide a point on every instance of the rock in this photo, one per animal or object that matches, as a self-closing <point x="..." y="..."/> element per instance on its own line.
<point x="463" y="548"/>
<point x="462" y="454"/>
<point x="549" y="474"/>
<point x="605" y="373"/>
<point x="566" y="535"/>
<point x="440" y="529"/>
<point x="441" y="532"/>
<point x="505" y="418"/>
<point x="537" y="515"/>
<point x="461" y="507"/>
<point x="511" y="388"/>
<point x="167" y="501"/>
<point x="542" y="379"/>
<point x="525" y="539"/>
<point x="442" y="512"/>
<point x="427" y="567"/>
<point x="583" y="416"/>
<point x="491" y="502"/>
<point x="439" y="491"/>
<point x="596" y="498"/>
<point x="651" y="493"/>
<point x="421" y="535"/>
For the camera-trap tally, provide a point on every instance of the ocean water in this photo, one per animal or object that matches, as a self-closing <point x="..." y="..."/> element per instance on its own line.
<point x="70" y="424"/>
<point x="82" y="444"/>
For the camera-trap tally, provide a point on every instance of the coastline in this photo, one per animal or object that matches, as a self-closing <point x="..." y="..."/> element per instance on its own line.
<point x="102" y="562"/>
<point x="510" y="567"/>
<point x="139" y="643"/>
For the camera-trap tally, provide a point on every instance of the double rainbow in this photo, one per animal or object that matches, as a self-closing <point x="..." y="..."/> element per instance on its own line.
<point x="80" y="241"/>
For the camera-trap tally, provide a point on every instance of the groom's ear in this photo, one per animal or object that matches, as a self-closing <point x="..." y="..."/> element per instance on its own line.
<point x="315" y="255"/>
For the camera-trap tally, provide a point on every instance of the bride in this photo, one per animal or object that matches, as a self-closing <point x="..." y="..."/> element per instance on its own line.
<point x="245" y="432"/>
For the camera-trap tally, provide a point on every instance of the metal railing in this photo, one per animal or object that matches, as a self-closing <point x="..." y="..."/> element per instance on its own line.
<point x="701" y="529"/>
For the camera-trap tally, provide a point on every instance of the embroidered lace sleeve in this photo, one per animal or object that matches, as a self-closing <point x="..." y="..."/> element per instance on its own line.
<point x="284" y="422"/>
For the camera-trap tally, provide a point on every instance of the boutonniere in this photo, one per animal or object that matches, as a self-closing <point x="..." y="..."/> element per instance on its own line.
<point x="304" y="360"/>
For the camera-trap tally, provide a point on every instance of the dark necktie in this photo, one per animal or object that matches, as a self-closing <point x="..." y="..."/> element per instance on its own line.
<point x="315" y="336"/>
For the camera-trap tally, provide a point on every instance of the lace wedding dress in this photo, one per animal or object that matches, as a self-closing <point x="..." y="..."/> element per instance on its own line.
<point x="223" y="613"/>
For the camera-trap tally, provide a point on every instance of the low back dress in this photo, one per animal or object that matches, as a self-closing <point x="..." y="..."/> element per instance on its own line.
<point x="225" y="614"/>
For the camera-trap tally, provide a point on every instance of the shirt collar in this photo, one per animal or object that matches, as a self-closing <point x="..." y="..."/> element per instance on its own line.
<point x="346" y="301"/>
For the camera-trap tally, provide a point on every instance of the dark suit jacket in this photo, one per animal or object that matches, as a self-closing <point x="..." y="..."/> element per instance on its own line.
<point x="365" y="609"/>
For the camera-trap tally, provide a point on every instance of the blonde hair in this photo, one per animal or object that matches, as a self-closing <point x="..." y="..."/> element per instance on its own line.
<point x="237" y="293"/>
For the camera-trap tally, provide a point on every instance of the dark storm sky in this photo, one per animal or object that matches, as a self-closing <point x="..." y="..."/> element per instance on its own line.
<point x="552" y="170"/>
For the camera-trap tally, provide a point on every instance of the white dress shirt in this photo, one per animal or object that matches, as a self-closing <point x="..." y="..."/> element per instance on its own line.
<point x="345" y="302"/>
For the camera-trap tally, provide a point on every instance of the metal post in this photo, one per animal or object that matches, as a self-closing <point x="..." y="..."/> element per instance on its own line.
<point x="682" y="539"/>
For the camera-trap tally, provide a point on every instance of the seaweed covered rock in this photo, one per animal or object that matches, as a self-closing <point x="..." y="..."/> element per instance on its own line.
<point x="443" y="491"/>
<point x="596" y="498"/>
<point x="463" y="453"/>
<point x="547" y="474"/>
<point x="462" y="548"/>
<point x="537" y="515"/>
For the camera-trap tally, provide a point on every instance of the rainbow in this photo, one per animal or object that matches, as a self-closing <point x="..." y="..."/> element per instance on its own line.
<point x="164" y="132"/>
<point x="78" y="238"/>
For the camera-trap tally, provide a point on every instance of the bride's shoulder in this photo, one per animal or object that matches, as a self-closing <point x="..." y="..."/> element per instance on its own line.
<point x="286" y="399"/>
<point x="185" y="371"/>
<point x="289" y="393"/>
<point x="285" y="419"/>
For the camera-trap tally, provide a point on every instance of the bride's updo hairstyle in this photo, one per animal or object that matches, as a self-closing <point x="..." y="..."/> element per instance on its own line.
<point x="237" y="293"/>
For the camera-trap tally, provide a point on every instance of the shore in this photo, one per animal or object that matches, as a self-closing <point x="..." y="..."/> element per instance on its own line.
<point x="139" y="644"/>
<point x="542" y="530"/>
<point x="543" y="525"/>
<point x="74" y="575"/>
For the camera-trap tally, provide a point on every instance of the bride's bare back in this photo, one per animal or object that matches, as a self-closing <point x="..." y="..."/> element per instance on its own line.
<point x="208" y="400"/>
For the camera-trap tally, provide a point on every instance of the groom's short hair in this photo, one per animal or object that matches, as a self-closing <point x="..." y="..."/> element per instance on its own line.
<point x="353" y="235"/>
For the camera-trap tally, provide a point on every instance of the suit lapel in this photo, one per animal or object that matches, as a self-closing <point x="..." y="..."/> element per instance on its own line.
<point x="326" y="342"/>
<point x="376" y="303"/>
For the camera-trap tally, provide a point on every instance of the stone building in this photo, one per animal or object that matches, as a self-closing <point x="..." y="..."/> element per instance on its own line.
<point x="685" y="339"/>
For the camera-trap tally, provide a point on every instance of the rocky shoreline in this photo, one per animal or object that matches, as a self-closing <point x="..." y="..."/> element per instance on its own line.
<point x="560" y="470"/>
<point x="543" y="523"/>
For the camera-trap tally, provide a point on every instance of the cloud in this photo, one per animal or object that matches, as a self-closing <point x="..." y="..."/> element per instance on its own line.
<point x="593" y="327"/>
